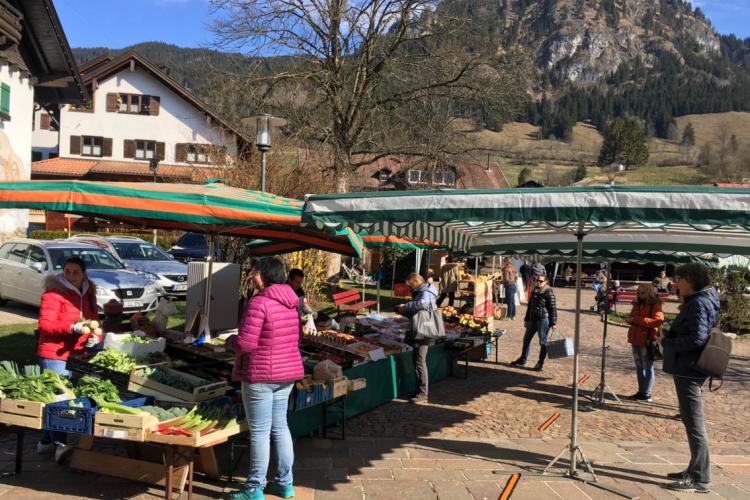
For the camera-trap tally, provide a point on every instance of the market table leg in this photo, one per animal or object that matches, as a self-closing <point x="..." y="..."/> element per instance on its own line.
<point x="190" y="478"/>
<point x="169" y="463"/>
<point x="19" y="449"/>
<point x="497" y="348"/>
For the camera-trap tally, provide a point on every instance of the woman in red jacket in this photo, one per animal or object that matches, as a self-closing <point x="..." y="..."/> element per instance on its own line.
<point x="68" y="298"/>
<point x="645" y="320"/>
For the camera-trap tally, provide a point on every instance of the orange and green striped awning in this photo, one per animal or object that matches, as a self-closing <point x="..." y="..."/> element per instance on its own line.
<point x="209" y="208"/>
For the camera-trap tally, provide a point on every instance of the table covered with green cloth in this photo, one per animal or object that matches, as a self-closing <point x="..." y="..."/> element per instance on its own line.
<point x="387" y="379"/>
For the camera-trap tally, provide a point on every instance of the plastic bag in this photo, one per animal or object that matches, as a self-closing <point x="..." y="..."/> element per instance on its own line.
<point x="164" y="310"/>
<point x="327" y="370"/>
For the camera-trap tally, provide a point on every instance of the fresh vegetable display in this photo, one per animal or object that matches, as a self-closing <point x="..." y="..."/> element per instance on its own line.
<point x="108" y="407"/>
<point x="200" y="420"/>
<point x="163" y="414"/>
<point x="93" y="387"/>
<point x="114" y="360"/>
<point x="135" y="340"/>
<point x="31" y="384"/>
<point x="162" y="376"/>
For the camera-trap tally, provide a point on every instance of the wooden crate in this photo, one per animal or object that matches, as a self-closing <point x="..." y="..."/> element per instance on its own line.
<point x="202" y="393"/>
<point x="340" y="386"/>
<point x="197" y="440"/>
<point x="22" y="413"/>
<point x="356" y="384"/>
<point x="127" y="427"/>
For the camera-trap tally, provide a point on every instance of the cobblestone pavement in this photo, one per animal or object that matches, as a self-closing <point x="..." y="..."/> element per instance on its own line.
<point x="476" y="432"/>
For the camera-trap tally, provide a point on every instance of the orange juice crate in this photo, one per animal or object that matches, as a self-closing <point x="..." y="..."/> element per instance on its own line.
<point x="340" y="386"/>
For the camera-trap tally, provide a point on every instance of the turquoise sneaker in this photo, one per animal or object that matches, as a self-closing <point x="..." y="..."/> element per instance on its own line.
<point x="247" y="494"/>
<point x="280" y="490"/>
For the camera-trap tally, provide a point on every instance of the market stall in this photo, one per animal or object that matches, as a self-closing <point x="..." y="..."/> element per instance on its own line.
<point x="688" y="219"/>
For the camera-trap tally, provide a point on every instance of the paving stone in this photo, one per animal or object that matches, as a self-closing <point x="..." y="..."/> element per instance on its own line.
<point x="387" y="463"/>
<point x="427" y="474"/>
<point x="420" y="463"/>
<point x="351" y="490"/>
<point x="407" y="489"/>
<point x="370" y="473"/>
<point x="467" y="463"/>
<point x="451" y="490"/>
<point x="736" y="470"/>
<point x="485" y="490"/>
<point x="730" y="459"/>
<point x="730" y="492"/>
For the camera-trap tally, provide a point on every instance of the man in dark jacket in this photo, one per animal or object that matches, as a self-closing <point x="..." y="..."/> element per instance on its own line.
<point x="683" y="345"/>
<point x="541" y="315"/>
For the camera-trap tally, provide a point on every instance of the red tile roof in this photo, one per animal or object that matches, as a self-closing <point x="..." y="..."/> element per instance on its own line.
<point x="731" y="185"/>
<point x="73" y="167"/>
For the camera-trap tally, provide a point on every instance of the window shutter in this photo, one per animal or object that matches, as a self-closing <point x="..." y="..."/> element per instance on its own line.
<point x="180" y="152"/>
<point x="75" y="144"/>
<point x="5" y="98"/>
<point x="129" y="149"/>
<point x="44" y="121"/>
<point x="160" y="147"/>
<point x="153" y="105"/>
<point x="111" y="103"/>
<point x="107" y="146"/>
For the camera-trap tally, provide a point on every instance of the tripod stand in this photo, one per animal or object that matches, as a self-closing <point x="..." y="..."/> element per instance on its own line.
<point x="597" y="396"/>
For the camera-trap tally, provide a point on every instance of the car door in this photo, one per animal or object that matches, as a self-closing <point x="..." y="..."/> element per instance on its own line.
<point x="6" y="269"/>
<point x="15" y="264"/>
<point x="34" y="274"/>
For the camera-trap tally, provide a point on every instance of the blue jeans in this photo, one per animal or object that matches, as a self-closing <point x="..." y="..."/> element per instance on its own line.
<point x="266" y="407"/>
<point x="57" y="366"/>
<point x="510" y="300"/>
<point x="644" y="370"/>
<point x="534" y="326"/>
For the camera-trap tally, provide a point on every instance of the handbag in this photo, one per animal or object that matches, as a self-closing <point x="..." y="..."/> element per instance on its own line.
<point x="427" y="324"/>
<point x="714" y="359"/>
<point x="653" y="350"/>
<point x="559" y="346"/>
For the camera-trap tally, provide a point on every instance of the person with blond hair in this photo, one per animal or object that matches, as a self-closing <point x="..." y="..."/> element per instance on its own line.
<point x="423" y="301"/>
<point x="645" y="319"/>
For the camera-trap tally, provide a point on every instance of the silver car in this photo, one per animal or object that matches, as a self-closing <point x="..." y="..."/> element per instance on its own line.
<point x="146" y="258"/>
<point x="24" y="263"/>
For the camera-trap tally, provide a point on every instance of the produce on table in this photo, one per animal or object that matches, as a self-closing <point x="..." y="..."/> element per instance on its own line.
<point x="114" y="360"/>
<point x="449" y="311"/>
<point x="108" y="407"/>
<point x="93" y="387"/>
<point x="135" y="339"/>
<point x="202" y="419"/>
<point x="162" y="376"/>
<point x="163" y="414"/>
<point x="32" y="384"/>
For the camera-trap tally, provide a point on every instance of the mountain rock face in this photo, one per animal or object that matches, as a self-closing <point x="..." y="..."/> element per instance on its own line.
<point x="583" y="41"/>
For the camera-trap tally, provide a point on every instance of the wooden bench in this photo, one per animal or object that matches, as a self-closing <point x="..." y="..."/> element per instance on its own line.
<point x="630" y="295"/>
<point x="352" y="301"/>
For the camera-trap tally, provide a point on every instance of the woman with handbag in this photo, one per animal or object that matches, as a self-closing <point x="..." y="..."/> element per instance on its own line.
<point x="426" y="325"/>
<point x="683" y="344"/>
<point x="645" y="320"/>
<point x="541" y="316"/>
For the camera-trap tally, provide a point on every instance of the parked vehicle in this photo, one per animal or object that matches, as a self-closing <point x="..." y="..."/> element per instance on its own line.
<point x="146" y="258"/>
<point x="24" y="263"/>
<point x="190" y="246"/>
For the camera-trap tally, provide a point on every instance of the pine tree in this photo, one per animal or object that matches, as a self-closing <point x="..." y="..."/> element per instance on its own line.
<point x="625" y="141"/>
<point x="688" y="135"/>
<point x="580" y="173"/>
<point x="524" y="176"/>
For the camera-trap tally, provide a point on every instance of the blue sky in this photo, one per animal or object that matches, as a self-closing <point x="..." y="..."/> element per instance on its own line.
<point x="119" y="23"/>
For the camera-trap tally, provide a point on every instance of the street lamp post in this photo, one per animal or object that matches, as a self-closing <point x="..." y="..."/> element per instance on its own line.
<point x="263" y="125"/>
<point x="153" y="165"/>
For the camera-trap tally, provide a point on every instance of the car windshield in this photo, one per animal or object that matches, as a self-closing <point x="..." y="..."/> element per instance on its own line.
<point x="139" y="251"/>
<point x="95" y="258"/>
<point x="192" y="240"/>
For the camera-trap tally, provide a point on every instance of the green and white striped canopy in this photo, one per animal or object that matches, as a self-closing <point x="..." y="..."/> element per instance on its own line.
<point x="696" y="219"/>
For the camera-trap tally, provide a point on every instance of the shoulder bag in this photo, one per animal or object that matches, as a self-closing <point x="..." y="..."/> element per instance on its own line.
<point x="714" y="358"/>
<point x="653" y="349"/>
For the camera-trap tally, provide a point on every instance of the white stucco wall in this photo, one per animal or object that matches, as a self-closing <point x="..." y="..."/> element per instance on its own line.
<point x="44" y="141"/>
<point x="177" y="121"/>
<point x="15" y="145"/>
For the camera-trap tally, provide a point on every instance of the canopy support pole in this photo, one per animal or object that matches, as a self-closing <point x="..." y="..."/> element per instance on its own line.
<point x="576" y="453"/>
<point x="209" y="270"/>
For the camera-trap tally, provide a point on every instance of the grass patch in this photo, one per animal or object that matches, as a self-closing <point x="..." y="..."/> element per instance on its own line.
<point x="618" y="317"/>
<point x="18" y="343"/>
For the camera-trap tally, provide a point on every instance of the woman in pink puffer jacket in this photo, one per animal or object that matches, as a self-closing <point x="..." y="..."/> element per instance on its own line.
<point x="268" y="362"/>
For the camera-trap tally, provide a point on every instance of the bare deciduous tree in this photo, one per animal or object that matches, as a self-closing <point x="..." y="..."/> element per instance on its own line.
<point x="360" y="80"/>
